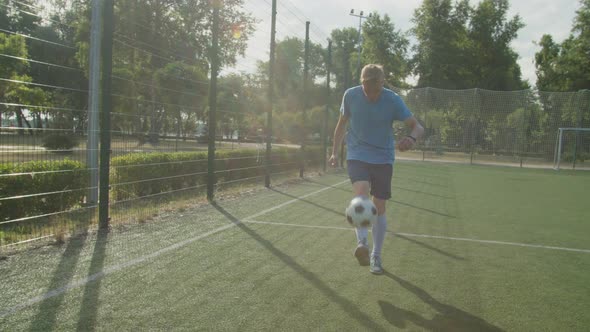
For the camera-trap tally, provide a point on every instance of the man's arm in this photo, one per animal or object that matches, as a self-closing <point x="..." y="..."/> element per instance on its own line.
<point x="417" y="131"/>
<point x="338" y="137"/>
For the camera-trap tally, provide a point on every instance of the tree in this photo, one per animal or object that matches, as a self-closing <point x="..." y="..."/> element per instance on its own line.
<point x="289" y="58"/>
<point x="566" y="66"/>
<point x="385" y="45"/>
<point x="162" y="48"/>
<point x="546" y="62"/>
<point x="16" y="47"/>
<point x="345" y="43"/>
<point x="493" y="62"/>
<point x="19" y="16"/>
<point x="22" y="94"/>
<point x="461" y="47"/>
<point x="442" y="48"/>
<point x="65" y="70"/>
<point x="17" y="90"/>
<point x="231" y="105"/>
<point x="181" y="89"/>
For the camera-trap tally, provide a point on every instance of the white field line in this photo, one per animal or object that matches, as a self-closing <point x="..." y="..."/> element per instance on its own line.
<point x="587" y="251"/>
<point x="139" y="260"/>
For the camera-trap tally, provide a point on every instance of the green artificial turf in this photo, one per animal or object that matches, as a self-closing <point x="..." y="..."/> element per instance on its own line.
<point x="469" y="248"/>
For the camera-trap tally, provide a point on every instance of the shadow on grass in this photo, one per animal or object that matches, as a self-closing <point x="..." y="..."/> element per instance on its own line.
<point x="334" y="297"/>
<point x="422" y="192"/>
<point x="448" y="318"/>
<point x="90" y="303"/>
<point x="422" y="244"/>
<point x="423" y="209"/>
<point x="347" y="190"/>
<point x="46" y="317"/>
<point x="338" y="213"/>
<point x="391" y="200"/>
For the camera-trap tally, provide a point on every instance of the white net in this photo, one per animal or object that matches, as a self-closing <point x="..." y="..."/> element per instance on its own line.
<point x="498" y="127"/>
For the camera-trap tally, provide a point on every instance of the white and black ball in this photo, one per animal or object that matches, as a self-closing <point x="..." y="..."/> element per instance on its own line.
<point x="361" y="212"/>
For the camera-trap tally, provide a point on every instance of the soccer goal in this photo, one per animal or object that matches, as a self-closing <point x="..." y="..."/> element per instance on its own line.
<point x="572" y="146"/>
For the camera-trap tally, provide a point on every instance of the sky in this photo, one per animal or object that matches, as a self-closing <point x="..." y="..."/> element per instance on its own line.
<point x="539" y="16"/>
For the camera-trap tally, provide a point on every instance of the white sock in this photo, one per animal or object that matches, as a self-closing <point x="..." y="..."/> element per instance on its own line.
<point x="362" y="233"/>
<point x="379" y="229"/>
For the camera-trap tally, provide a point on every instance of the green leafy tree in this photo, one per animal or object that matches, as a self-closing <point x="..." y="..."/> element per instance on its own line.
<point x="14" y="89"/>
<point x="566" y="66"/>
<point x="181" y="88"/>
<point x="165" y="45"/>
<point x="344" y="45"/>
<point x="461" y="47"/>
<point x="442" y="49"/>
<point x="19" y="16"/>
<point x="493" y="62"/>
<point x="385" y="45"/>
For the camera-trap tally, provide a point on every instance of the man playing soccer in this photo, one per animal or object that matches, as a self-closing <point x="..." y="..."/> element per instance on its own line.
<point x="371" y="110"/>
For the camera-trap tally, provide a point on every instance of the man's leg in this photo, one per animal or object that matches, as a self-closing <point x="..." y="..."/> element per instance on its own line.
<point x="361" y="188"/>
<point x="381" y="190"/>
<point x="359" y="176"/>
<point x="379" y="228"/>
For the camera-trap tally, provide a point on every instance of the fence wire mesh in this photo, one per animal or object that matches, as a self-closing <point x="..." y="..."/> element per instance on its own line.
<point x="159" y="132"/>
<point x="159" y="139"/>
<point x="516" y="128"/>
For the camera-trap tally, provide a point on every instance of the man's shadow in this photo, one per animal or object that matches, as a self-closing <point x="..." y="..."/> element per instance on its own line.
<point x="338" y="213"/>
<point x="448" y="318"/>
<point x="427" y="246"/>
<point x="349" y="307"/>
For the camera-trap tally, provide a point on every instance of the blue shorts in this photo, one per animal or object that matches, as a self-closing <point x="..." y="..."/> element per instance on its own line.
<point x="378" y="175"/>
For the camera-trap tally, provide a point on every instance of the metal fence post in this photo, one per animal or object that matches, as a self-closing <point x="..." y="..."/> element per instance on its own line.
<point x="271" y="71"/>
<point x="105" y="130"/>
<point x="306" y="99"/>
<point x="92" y="147"/>
<point x="326" y="113"/>
<point x="213" y="101"/>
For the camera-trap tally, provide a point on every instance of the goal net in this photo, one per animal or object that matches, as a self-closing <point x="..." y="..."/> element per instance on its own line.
<point x="572" y="148"/>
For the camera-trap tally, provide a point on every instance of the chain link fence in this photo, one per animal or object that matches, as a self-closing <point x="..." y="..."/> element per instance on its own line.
<point x="62" y="80"/>
<point x="516" y="128"/>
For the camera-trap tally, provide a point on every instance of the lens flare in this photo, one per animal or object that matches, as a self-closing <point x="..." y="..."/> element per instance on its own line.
<point x="236" y="31"/>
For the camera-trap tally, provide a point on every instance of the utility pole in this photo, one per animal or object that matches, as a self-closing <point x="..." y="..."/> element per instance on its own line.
<point x="361" y="16"/>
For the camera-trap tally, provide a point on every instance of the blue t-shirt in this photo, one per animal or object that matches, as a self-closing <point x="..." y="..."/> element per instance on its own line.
<point x="370" y="133"/>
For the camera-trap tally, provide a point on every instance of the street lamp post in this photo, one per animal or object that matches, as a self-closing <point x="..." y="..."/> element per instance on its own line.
<point x="361" y="16"/>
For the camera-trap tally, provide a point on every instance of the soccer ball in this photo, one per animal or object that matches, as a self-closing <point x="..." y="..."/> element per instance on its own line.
<point x="361" y="212"/>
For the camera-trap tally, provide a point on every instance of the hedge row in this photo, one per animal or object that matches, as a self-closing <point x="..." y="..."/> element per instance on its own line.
<point x="62" y="184"/>
<point x="144" y="174"/>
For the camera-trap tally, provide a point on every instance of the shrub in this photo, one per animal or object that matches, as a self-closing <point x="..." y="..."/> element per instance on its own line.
<point x="144" y="174"/>
<point x="580" y="157"/>
<point x="65" y="181"/>
<point x="59" y="142"/>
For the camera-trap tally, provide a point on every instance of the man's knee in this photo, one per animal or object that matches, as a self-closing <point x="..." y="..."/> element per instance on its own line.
<point x="380" y="205"/>
<point x="361" y="188"/>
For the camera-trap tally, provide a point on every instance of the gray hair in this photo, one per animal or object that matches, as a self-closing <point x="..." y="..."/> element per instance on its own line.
<point x="372" y="72"/>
